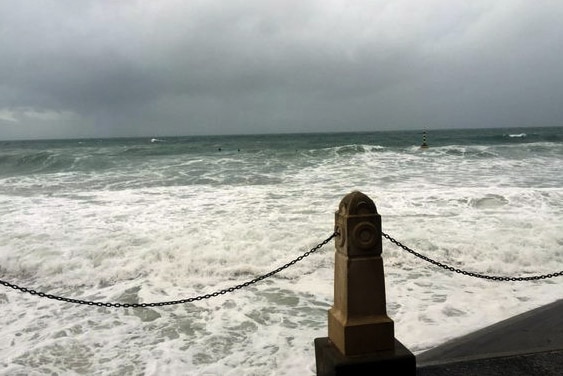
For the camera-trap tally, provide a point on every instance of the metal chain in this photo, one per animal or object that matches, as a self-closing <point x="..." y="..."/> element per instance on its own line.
<point x="172" y="302"/>
<point x="270" y="274"/>
<point x="471" y="274"/>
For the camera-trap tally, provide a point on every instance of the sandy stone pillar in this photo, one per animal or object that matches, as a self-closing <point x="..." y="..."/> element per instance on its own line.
<point x="358" y="321"/>
<point x="361" y="337"/>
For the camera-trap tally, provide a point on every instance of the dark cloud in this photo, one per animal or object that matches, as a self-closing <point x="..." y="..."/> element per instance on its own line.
<point x="182" y="67"/>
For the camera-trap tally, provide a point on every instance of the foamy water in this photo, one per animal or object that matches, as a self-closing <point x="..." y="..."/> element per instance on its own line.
<point x="146" y="225"/>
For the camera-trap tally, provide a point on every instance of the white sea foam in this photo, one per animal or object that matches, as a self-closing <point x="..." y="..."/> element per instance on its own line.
<point x="159" y="242"/>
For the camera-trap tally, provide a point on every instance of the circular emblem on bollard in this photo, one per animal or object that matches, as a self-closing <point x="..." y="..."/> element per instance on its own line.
<point x="365" y="235"/>
<point x="341" y="238"/>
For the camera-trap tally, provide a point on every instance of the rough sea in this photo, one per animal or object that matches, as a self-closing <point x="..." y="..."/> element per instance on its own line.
<point x="160" y="219"/>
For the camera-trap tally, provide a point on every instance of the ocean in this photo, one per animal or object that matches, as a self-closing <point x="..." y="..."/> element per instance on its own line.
<point x="145" y="220"/>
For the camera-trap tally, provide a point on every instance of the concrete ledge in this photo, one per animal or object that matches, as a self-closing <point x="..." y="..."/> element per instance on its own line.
<point x="527" y="344"/>
<point x="540" y="364"/>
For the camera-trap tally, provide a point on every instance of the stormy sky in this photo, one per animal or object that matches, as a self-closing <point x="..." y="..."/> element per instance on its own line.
<point x="103" y="68"/>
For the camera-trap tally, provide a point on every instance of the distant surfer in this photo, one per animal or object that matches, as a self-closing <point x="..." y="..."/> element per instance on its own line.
<point x="424" y="144"/>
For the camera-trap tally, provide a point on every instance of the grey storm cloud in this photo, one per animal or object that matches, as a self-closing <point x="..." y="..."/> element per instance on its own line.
<point x="170" y="67"/>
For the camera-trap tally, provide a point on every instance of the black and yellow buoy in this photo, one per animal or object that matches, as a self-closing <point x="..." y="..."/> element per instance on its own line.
<point x="424" y="144"/>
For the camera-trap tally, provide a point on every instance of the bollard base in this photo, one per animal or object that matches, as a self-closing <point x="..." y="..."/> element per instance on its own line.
<point x="331" y="362"/>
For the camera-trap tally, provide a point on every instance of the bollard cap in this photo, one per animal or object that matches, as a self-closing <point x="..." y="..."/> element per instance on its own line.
<point x="357" y="203"/>
<point x="358" y="226"/>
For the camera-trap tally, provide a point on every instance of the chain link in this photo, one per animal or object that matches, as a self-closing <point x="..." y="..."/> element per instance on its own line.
<point x="471" y="274"/>
<point x="172" y="302"/>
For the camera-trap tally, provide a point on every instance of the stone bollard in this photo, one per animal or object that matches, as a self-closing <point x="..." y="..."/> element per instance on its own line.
<point x="361" y="338"/>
